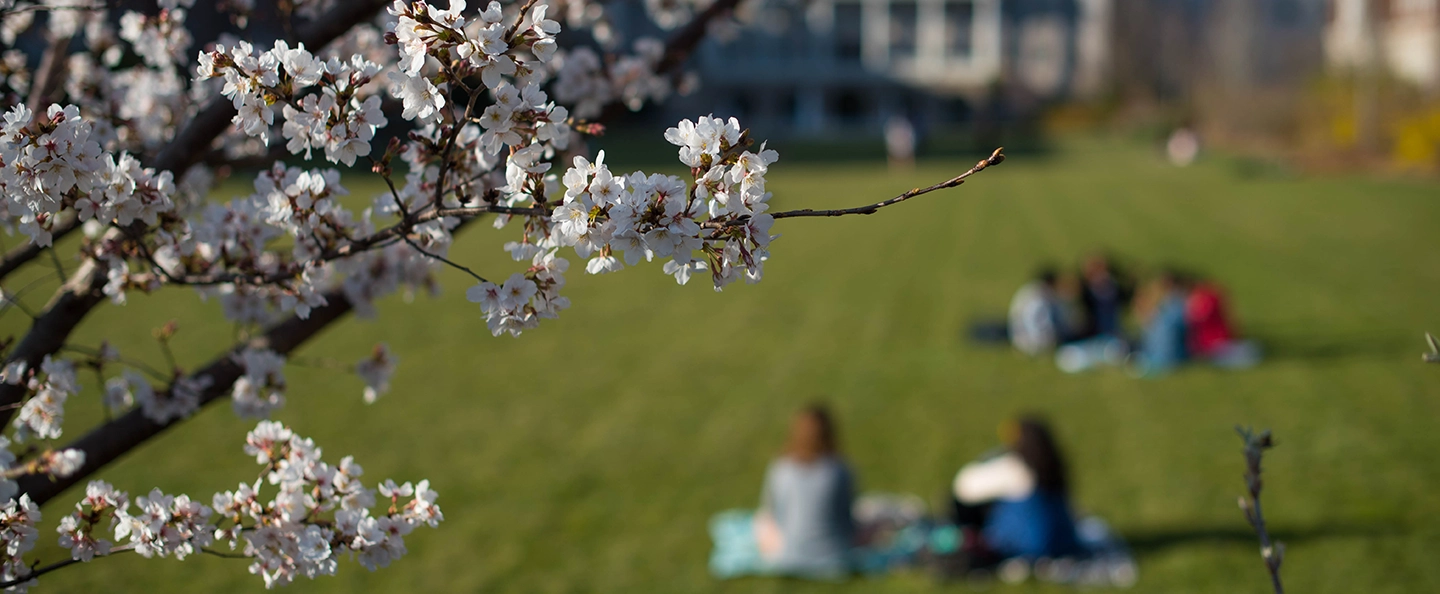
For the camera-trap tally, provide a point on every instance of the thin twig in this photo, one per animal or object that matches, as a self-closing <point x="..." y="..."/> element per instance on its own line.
<point x="440" y="258"/>
<point x="318" y="363"/>
<point x="222" y="554"/>
<point x="1273" y="553"/>
<point x="37" y="572"/>
<point x="136" y="363"/>
<point x="19" y="255"/>
<point x="14" y="299"/>
<point x="59" y="268"/>
<point x="994" y="159"/>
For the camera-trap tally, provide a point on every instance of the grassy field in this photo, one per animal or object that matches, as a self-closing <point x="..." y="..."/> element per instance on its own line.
<point x="586" y="456"/>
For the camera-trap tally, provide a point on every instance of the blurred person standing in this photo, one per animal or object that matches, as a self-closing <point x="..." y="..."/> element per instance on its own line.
<point x="1182" y="147"/>
<point x="900" y="142"/>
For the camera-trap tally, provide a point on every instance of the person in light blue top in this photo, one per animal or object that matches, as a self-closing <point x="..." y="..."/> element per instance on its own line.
<point x="1162" y="346"/>
<point x="803" y="527"/>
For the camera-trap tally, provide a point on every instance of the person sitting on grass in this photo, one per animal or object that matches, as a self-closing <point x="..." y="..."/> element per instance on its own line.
<point x="1017" y="501"/>
<point x="1210" y="335"/>
<point x="804" y="526"/>
<point x="1037" y="316"/>
<point x="1161" y="310"/>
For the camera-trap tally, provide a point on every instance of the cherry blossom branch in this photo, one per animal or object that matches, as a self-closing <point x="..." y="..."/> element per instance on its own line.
<point x="82" y="293"/>
<point x="37" y="572"/>
<point x="1272" y="553"/>
<point x="455" y="129"/>
<point x="109" y="441"/>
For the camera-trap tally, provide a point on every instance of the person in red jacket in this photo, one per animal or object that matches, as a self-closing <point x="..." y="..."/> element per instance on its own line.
<point x="1207" y="323"/>
<point x="1208" y="332"/>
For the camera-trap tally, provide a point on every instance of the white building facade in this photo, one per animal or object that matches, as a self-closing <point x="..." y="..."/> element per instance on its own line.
<point x="1402" y="37"/>
<point x="844" y="64"/>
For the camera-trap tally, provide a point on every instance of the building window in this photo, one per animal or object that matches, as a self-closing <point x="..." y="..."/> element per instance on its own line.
<point x="847" y="31"/>
<point x="848" y="107"/>
<point x="903" y="24"/>
<point x="959" y="28"/>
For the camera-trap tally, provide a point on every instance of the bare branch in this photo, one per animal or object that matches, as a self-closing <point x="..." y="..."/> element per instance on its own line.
<point x="441" y="259"/>
<point x="1272" y="553"/>
<point x="994" y="159"/>
<point x="5" y="585"/>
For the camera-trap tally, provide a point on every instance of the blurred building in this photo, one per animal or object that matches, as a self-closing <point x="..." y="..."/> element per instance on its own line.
<point x="1178" y="50"/>
<point x="1401" y="37"/>
<point x="834" y="66"/>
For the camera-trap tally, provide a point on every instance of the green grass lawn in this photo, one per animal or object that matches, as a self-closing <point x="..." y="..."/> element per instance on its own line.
<point x="587" y="455"/>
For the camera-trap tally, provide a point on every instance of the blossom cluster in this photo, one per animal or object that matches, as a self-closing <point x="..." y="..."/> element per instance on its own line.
<point x="262" y="388"/>
<point x="18" y="518"/>
<point x="376" y="370"/>
<point x="160" y="39"/>
<point x="337" y="119"/>
<point x="43" y="414"/>
<point x="316" y="514"/>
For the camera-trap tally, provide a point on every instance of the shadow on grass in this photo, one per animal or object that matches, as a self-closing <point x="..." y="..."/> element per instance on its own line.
<point x="1144" y="542"/>
<point x="1301" y="346"/>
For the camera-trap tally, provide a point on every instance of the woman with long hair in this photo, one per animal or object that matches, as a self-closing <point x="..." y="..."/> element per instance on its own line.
<point x="804" y="526"/>
<point x="1020" y="498"/>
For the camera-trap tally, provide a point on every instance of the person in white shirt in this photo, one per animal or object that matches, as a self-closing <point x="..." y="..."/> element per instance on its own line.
<point x="1018" y="500"/>
<point x="1036" y="315"/>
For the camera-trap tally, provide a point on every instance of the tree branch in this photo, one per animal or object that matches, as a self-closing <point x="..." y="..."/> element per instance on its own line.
<point x="1272" y="553"/>
<point x="5" y="585"/>
<point x="82" y="293"/>
<point x="994" y="159"/>
<point x="111" y="440"/>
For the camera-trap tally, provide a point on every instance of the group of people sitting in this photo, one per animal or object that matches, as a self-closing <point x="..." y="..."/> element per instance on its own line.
<point x="1080" y="318"/>
<point x="1008" y="511"/>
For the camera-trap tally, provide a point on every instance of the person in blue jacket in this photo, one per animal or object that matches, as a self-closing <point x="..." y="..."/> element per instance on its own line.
<point x="1019" y="498"/>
